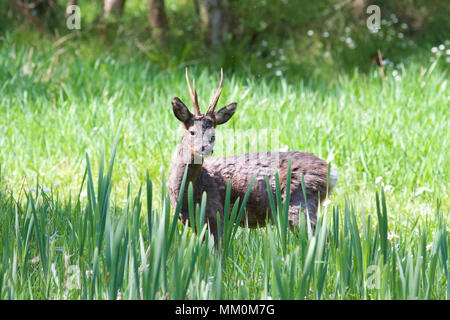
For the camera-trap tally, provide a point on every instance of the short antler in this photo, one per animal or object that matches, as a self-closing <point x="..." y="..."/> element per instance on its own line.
<point x="193" y="95"/>
<point x="217" y="95"/>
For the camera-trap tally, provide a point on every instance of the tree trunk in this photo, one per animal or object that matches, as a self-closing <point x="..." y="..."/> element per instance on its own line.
<point x="216" y="17"/>
<point x="110" y="7"/>
<point x="158" y="20"/>
<point x="113" y="5"/>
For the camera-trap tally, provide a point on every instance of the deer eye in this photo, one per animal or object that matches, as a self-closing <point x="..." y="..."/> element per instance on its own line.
<point x="192" y="133"/>
<point x="213" y="138"/>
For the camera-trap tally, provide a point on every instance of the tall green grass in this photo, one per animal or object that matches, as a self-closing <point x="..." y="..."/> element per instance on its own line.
<point x="96" y="249"/>
<point x="382" y="235"/>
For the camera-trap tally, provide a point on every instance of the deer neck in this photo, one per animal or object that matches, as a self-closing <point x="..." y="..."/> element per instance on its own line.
<point x="182" y="158"/>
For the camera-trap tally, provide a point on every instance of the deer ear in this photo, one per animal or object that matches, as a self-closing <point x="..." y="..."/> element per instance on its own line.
<point x="224" y="114"/>
<point x="180" y="110"/>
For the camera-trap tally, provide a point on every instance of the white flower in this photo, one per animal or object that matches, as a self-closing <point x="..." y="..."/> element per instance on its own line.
<point x="264" y="43"/>
<point x="269" y="65"/>
<point x="434" y="49"/>
<point x="392" y="236"/>
<point x="447" y="52"/>
<point x="404" y="26"/>
<point x="310" y="33"/>
<point x="441" y="47"/>
<point x="394" y="73"/>
<point x="326" y="34"/>
<point x="422" y="190"/>
<point x="278" y="73"/>
<point x="36" y="259"/>
<point x="378" y="179"/>
<point x="394" y="18"/>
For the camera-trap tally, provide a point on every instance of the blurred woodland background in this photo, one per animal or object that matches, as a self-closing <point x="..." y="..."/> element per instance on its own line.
<point x="288" y="38"/>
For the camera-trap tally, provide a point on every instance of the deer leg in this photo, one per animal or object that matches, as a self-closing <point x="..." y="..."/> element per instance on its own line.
<point x="297" y="203"/>
<point x="312" y="208"/>
<point x="294" y="217"/>
<point x="212" y="224"/>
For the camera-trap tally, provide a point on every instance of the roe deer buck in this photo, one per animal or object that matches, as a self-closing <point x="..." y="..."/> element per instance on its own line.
<point x="211" y="175"/>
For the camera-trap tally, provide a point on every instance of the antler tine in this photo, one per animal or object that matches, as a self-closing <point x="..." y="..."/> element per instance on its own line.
<point x="217" y="95"/>
<point x="193" y="95"/>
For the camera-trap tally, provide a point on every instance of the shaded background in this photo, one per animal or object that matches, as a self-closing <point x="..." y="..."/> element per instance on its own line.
<point x="308" y="39"/>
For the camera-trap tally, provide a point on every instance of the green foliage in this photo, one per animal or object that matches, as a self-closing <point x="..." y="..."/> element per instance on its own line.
<point x="102" y="251"/>
<point x="68" y="232"/>
<point x="272" y="38"/>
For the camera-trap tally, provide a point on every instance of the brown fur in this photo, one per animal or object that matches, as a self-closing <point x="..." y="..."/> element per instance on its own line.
<point x="211" y="175"/>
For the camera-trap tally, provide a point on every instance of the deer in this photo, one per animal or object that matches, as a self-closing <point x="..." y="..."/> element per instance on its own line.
<point x="210" y="175"/>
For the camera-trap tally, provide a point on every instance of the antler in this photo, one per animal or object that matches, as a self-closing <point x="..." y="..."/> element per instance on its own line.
<point x="193" y="95"/>
<point x="217" y="95"/>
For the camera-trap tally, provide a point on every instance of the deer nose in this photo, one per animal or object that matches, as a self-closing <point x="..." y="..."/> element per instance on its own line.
<point x="203" y="148"/>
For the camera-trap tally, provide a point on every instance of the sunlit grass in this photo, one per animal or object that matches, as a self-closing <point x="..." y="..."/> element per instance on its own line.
<point x="96" y="249"/>
<point x="56" y="109"/>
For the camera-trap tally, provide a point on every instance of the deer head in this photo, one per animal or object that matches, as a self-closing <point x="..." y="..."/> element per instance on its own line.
<point x="199" y="129"/>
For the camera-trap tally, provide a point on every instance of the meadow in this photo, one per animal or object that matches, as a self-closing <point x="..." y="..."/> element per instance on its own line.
<point x="86" y="216"/>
